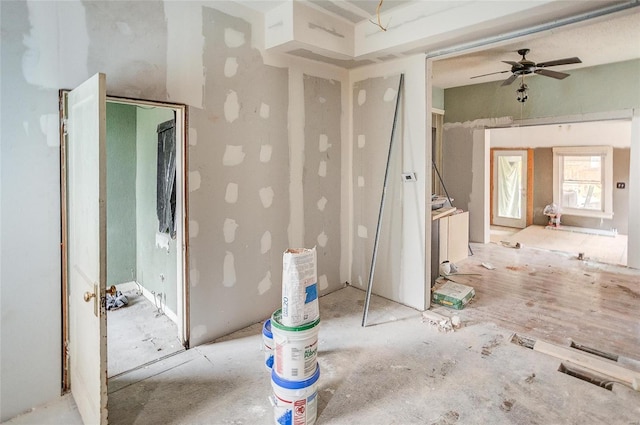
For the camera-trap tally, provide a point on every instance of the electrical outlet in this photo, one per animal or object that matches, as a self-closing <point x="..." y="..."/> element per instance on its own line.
<point x="620" y="185"/>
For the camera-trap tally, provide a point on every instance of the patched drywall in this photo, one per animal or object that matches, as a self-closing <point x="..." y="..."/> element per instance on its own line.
<point x="156" y="262"/>
<point x="121" y="193"/>
<point x="322" y="176"/>
<point x="241" y="206"/>
<point x="374" y="102"/>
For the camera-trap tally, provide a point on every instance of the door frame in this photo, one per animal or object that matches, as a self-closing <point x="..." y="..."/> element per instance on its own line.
<point x="182" y="230"/>
<point x="529" y="201"/>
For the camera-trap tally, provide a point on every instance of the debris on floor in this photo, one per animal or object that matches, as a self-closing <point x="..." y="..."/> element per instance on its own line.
<point x="442" y="323"/>
<point x="454" y="295"/>
<point x="116" y="301"/>
<point x="508" y="244"/>
<point x="488" y="266"/>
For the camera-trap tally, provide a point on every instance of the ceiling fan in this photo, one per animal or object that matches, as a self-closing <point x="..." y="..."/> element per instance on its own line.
<point x="525" y="66"/>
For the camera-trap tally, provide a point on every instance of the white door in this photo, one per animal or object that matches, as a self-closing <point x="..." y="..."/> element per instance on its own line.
<point x="510" y="188"/>
<point x="86" y="239"/>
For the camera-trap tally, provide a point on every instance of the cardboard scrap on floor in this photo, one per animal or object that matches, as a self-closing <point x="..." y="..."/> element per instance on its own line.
<point x="453" y="295"/>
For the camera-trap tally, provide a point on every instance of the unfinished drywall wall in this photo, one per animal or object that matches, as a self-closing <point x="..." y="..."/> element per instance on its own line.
<point x="239" y="181"/>
<point x="30" y="352"/>
<point x="374" y="101"/>
<point x="156" y="262"/>
<point x="121" y="193"/>
<point x="322" y="175"/>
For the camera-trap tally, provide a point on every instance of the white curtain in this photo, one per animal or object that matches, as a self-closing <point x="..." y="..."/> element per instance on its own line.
<point x="509" y="186"/>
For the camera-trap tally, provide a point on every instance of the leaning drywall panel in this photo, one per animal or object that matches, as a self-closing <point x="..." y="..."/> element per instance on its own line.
<point x="633" y="241"/>
<point x="322" y="176"/>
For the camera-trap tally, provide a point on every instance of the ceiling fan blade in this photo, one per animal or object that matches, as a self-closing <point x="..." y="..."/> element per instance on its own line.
<point x="565" y="61"/>
<point x="509" y="80"/>
<point x="491" y="73"/>
<point x="552" y="74"/>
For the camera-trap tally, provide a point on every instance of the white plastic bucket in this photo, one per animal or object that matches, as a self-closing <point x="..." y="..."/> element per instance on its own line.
<point x="296" y="349"/>
<point x="267" y="344"/>
<point x="295" y="402"/>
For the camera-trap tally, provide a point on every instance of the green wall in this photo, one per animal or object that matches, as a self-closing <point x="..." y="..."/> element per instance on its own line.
<point x="602" y="88"/>
<point x="437" y="97"/>
<point x="121" y="193"/>
<point x="152" y="260"/>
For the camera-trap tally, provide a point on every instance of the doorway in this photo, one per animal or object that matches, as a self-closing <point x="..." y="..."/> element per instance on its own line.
<point x="146" y="257"/>
<point x="511" y="188"/>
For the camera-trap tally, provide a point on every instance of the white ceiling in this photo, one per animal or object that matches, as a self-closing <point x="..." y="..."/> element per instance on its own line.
<point x="608" y="39"/>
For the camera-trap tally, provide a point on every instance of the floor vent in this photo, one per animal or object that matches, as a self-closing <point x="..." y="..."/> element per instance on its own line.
<point x="594" y="351"/>
<point x="590" y="377"/>
<point x="523" y="341"/>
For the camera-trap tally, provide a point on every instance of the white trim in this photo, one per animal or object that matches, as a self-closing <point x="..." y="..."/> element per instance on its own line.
<point x="607" y="179"/>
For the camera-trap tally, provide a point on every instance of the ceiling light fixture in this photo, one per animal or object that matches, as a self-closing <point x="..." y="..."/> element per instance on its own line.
<point x="522" y="94"/>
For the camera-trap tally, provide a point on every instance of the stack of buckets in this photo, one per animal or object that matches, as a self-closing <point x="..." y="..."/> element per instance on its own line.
<point x="290" y="339"/>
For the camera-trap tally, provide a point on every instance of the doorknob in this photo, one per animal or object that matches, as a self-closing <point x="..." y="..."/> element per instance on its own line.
<point x="111" y="290"/>
<point x="88" y="295"/>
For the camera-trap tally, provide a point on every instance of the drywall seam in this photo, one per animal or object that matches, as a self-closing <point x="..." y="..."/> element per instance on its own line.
<point x="346" y="214"/>
<point x="185" y="44"/>
<point x="296" y="158"/>
<point x="633" y="241"/>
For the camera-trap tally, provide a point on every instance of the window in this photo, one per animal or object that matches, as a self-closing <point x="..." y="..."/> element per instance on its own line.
<point x="582" y="180"/>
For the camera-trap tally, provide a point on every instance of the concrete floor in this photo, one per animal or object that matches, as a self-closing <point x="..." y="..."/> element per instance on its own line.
<point x="138" y="333"/>
<point x="398" y="370"/>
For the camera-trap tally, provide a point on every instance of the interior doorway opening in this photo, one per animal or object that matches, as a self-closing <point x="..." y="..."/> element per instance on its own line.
<point x="146" y="252"/>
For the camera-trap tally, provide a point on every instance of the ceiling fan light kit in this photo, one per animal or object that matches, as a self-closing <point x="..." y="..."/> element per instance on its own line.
<point x="526" y="67"/>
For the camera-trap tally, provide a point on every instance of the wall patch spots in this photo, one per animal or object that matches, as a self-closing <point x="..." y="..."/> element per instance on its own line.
<point x="361" y="141"/>
<point x="229" y="230"/>
<point x="199" y="331"/>
<point x="233" y="155"/>
<point x="193" y="136"/>
<point x="230" y="67"/>
<point x="265" y="242"/>
<point x="194" y="277"/>
<point x="194" y="228"/>
<point x="362" y="97"/>
<point x="233" y="38"/>
<point x="194" y="181"/>
<point x="49" y="124"/>
<point x="360" y="181"/>
<point x="322" y="239"/>
<point x="266" y="196"/>
<point x="324" y="144"/>
<point x="124" y="28"/>
<point x="322" y="203"/>
<point x="390" y="94"/>
<point x="362" y="232"/>
<point x="264" y="110"/>
<point x="323" y="282"/>
<point x="231" y="107"/>
<point x="229" y="270"/>
<point x="265" y="153"/>
<point x="231" y="195"/>
<point x="265" y="284"/>
<point x="322" y="169"/>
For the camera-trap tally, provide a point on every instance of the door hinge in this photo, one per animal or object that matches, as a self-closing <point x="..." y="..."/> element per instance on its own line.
<point x="64" y="123"/>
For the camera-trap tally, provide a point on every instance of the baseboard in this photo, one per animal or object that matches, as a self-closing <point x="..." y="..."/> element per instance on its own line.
<point x="133" y="285"/>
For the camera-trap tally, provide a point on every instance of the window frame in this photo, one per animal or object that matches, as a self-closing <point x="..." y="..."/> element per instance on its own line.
<point x="606" y="152"/>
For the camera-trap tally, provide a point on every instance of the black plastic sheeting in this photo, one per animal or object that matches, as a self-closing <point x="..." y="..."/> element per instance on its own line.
<point x="166" y="189"/>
